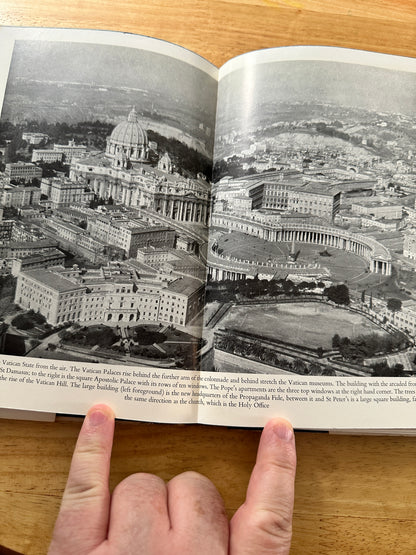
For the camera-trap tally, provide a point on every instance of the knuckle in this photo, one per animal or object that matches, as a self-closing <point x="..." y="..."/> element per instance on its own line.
<point x="191" y="475"/>
<point x="87" y="488"/>
<point x="91" y="451"/>
<point x="142" y="482"/>
<point x="261" y="531"/>
<point x="282" y="470"/>
<point x="202" y="497"/>
<point x="195" y="484"/>
<point x="275" y="524"/>
<point x="192" y="481"/>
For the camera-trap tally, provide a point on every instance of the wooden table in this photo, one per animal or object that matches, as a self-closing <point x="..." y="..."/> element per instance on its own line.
<point x="354" y="494"/>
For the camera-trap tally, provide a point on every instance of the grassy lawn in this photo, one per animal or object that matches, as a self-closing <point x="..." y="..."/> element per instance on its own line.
<point x="309" y="324"/>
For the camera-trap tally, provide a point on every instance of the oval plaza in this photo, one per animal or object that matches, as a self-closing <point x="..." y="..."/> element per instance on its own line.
<point x="243" y="205"/>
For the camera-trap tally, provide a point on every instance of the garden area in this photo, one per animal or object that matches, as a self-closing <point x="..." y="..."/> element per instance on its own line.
<point x="29" y="320"/>
<point x="363" y="346"/>
<point x="7" y="293"/>
<point x="155" y="342"/>
<point x="30" y="328"/>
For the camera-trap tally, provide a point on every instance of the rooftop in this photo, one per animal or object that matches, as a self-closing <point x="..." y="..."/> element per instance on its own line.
<point x="42" y="256"/>
<point x="184" y="286"/>
<point x="39" y="244"/>
<point x="51" y="280"/>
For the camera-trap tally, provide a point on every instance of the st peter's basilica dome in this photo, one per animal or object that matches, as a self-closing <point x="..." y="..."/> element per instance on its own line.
<point x="128" y="142"/>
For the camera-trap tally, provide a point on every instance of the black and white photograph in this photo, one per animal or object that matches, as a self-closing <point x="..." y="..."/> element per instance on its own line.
<point x="105" y="167"/>
<point x="312" y="251"/>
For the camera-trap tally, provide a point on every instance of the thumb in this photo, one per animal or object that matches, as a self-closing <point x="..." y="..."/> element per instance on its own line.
<point x="263" y="524"/>
<point x="83" y="517"/>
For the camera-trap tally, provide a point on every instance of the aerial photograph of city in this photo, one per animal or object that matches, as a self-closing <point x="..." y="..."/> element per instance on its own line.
<point x="105" y="169"/>
<point x="312" y="244"/>
<point x="151" y="216"/>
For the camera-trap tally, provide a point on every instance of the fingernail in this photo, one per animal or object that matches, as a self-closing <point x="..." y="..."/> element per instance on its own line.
<point x="283" y="430"/>
<point x="99" y="415"/>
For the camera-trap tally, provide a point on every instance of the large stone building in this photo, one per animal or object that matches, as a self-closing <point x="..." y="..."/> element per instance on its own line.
<point x="70" y="151"/>
<point x="75" y="239"/>
<point x="63" y="192"/>
<point x="6" y="229"/>
<point x="35" y="138"/>
<point x="48" y="156"/>
<point x="153" y="257"/>
<point x="21" y="249"/>
<point x="18" y="196"/>
<point x="285" y="192"/>
<point x="59" y="153"/>
<point x="23" y="171"/>
<point x="53" y="257"/>
<point x="409" y="244"/>
<point x="181" y="300"/>
<point x="111" y="294"/>
<point x="123" y="173"/>
<point x="55" y="296"/>
<point x="172" y="261"/>
<point x="130" y="235"/>
<point x="405" y="318"/>
<point x="369" y="207"/>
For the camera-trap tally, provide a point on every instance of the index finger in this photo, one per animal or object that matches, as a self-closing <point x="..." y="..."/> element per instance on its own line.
<point x="263" y="524"/>
<point x="83" y="517"/>
<point x="272" y="480"/>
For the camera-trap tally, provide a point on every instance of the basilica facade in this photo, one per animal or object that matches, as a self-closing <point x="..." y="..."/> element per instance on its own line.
<point x="124" y="174"/>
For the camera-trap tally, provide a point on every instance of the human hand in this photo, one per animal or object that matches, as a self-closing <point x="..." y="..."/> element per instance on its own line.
<point x="145" y="516"/>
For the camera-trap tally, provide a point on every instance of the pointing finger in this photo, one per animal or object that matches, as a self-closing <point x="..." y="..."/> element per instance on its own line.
<point x="263" y="524"/>
<point x="82" y="521"/>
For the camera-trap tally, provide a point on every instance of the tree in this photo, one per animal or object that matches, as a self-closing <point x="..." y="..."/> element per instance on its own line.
<point x="339" y="294"/>
<point x="274" y="288"/>
<point x="22" y="322"/>
<point x="28" y="320"/>
<point x="394" y="304"/>
<point x="288" y="286"/>
<point x="315" y="369"/>
<point x="382" y="369"/>
<point x="336" y="340"/>
<point x="65" y="335"/>
<point x="299" y="366"/>
<point x="327" y="371"/>
<point x="398" y="370"/>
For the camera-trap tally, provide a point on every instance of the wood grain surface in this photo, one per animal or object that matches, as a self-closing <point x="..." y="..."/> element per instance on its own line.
<point x="354" y="494"/>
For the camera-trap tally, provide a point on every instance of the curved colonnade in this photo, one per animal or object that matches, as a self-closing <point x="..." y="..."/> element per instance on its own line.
<point x="377" y="256"/>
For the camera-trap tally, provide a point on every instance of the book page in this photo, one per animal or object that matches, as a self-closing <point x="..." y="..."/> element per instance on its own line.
<point x="311" y="297"/>
<point x="106" y="144"/>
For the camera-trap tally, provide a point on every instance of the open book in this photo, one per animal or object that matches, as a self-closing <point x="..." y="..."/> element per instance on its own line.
<point x="193" y="244"/>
